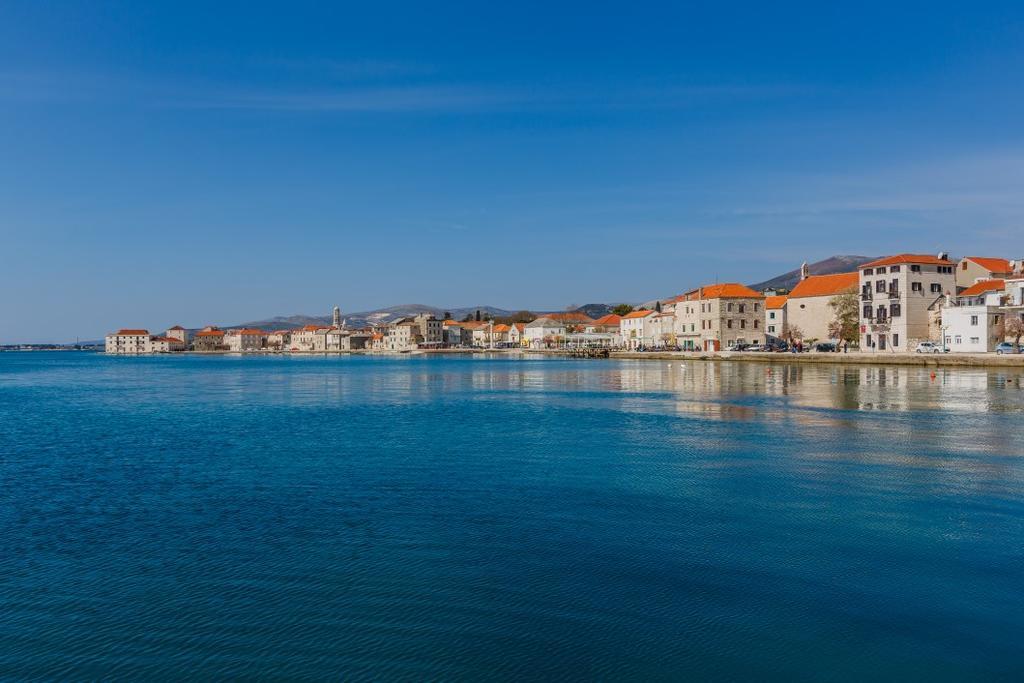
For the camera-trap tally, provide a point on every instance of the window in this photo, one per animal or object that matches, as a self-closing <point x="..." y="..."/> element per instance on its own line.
<point x="771" y="315"/>
<point x="895" y="311"/>
<point x="974" y="340"/>
<point x="867" y="340"/>
<point x="757" y="324"/>
<point x="729" y="307"/>
<point x="742" y="307"/>
<point x="957" y="339"/>
<point x="868" y="271"/>
<point x="728" y="323"/>
<point x="974" y="320"/>
<point x="936" y="288"/>
<point x="915" y="269"/>
<point x="894" y="269"/>
<point x="880" y="286"/>
<point x="867" y="311"/>
<point x="964" y="265"/>
<point x="880" y="271"/>
<point x="757" y="307"/>
<point x="916" y="287"/>
<point x="895" y="340"/>
<point x="995" y="320"/>
<point x="880" y="314"/>
<point x="946" y="269"/>
<point x="771" y="329"/>
<point x="743" y="324"/>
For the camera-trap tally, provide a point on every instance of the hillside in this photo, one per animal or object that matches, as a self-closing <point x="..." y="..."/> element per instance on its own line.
<point x="833" y="264"/>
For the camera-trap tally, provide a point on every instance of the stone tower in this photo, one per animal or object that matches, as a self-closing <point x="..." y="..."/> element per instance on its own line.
<point x="337" y="317"/>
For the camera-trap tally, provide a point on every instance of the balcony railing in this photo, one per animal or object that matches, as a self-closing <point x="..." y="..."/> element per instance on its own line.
<point x="894" y="294"/>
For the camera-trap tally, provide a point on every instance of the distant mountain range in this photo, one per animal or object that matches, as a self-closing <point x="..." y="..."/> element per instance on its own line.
<point x="382" y="316"/>
<point x="833" y="264"/>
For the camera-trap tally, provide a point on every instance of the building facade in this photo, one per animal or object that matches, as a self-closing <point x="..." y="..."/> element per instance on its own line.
<point x="974" y="320"/>
<point x="719" y="317"/>
<point x="127" y="342"/>
<point x="896" y="293"/>
<point x="775" y="319"/>
<point x="808" y="309"/>
<point x="971" y="269"/>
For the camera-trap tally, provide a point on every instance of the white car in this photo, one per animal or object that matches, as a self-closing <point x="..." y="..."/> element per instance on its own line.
<point x="928" y="347"/>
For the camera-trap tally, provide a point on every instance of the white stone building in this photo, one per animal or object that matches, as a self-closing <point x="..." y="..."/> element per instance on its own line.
<point x="974" y="320"/>
<point x="896" y="294"/>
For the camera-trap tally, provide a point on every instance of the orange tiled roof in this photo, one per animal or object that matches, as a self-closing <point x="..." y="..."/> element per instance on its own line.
<point x="250" y="330"/>
<point x="642" y="313"/>
<point x="984" y="286"/>
<point x="825" y="285"/>
<point x="573" y="316"/>
<point x="313" y="328"/>
<point x="210" y="333"/>
<point x="610" y="319"/>
<point x="501" y="328"/>
<point x="177" y="327"/>
<point x="993" y="265"/>
<point x="923" y="259"/>
<point x="166" y="339"/>
<point x="726" y="290"/>
<point x="775" y="302"/>
<point x="133" y="333"/>
<point x="520" y="326"/>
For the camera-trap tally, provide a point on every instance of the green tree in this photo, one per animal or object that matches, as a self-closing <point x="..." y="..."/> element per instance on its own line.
<point x="845" y="317"/>
<point x="622" y="309"/>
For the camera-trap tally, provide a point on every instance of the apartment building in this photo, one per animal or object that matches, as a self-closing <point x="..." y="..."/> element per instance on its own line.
<point x="305" y="338"/>
<point x="974" y="320"/>
<point x="127" y="342"/>
<point x="402" y="336"/>
<point x="209" y="339"/>
<point x="180" y="333"/>
<point x="430" y="328"/>
<point x="896" y="293"/>
<point x="245" y="340"/>
<point x="639" y="329"/>
<point x="279" y="340"/>
<point x="720" y="316"/>
<point x="775" y="318"/>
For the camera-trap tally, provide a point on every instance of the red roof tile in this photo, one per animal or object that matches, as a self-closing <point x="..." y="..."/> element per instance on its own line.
<point x="727" y="290"/>
<point x="923" y="259"/>
<point x="825" y="285"/>
<point x="133" y="333"/>
<point x="776" y="302"/>
<point x="983" y="287"/>
<point x="642" y="313"/>
<point x="610" y="319"/>
<point x="993" y="265"/>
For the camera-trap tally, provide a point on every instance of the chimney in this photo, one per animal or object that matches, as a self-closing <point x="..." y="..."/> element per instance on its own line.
<point x="804" y="271"/>
<point x="943" y="255"/>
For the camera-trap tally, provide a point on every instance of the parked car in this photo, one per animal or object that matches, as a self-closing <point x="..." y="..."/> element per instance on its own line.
<point x="825" y="347"/>
<point x="1007" y="347"/>
<point x="928" y="347"/>
<point x="738" y="347"/>
<point x="757" y="348"/>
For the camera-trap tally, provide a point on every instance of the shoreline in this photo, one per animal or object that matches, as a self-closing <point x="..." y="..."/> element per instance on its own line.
<point x="853" y="358"/>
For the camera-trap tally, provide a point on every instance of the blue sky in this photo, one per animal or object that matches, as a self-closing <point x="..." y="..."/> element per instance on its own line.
<point x="199" y="163"/>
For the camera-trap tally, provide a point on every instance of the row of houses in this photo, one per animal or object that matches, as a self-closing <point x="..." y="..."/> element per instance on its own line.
<point x="887" y="305"/>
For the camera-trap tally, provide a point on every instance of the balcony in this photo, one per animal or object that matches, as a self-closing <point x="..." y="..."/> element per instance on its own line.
<point x="894" y="294"/>
<point x="865" y="296"/>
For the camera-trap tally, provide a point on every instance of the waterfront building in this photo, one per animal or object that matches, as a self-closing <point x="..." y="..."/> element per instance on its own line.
<point x="897" y="293"/>
<point x="180" y="333"/>
<point x="807" y="307"/>
<point x="719" y="316"/>
<point x="973" y="321"/>
<point x="608" y="324"/>
<point x="244" y="340"/>
<point x="305" y="338"/>
<point x="279" y="340"/>
<point x="775" y="318"/>
<point x="430" y="329"/>
<point x="452" y="333"/>
<point x="515" y="334"/>
<point x="209" y="339"/>
<point x="971" y="269"/>
<point x="639" y="329"/>
<point x="166" y="345"/>
<point x="543" y="332"/>
<point x="127" y="342"/>
<point x="499" y="335"/>
<point x="403" y="336"/>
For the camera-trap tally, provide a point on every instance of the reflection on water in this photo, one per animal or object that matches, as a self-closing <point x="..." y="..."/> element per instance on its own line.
<point x="507" y="517"/>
